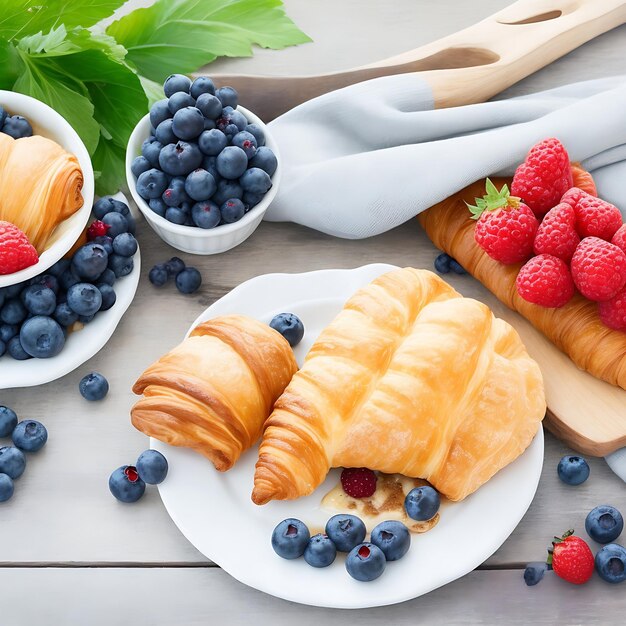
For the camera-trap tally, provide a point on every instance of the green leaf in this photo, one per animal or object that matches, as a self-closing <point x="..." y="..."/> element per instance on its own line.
<point x="182" y="35"/>
<point x="109" y="168"/>
<point x="153" y="90"/>
<point x="492" y="200"/>
<point x="11" y="65"/>
<point x="27" y="17"/>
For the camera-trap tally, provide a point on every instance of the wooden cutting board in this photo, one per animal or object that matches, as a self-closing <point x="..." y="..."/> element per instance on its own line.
<point x="585" y="412"/>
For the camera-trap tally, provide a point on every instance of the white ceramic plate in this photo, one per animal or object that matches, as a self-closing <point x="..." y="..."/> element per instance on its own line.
<point x="80" y="346"/>
<point x="214" y="510"/>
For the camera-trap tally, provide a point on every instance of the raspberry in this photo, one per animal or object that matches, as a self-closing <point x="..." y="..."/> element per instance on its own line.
<point x="598" y="269"/>
<point x="16" y="252"/>
<point x="542" y="179"/>
<point x="97" y="229"/>
<point x="619" y="238"/>
<point x="557" y="234"/>
<point x="358" y="482"/>
<point x="613" y="312"/>
<point x="545" y="280"/>
<point x="594" y="217"/>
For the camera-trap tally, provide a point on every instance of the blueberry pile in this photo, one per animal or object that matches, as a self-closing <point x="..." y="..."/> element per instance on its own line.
<point x="187" y="279"/>
<point x="14" y="125"/>
<point x="366" y="560"/>
<point x="128" y="482"/>
<point x="203" y="164"/>
<point x="36" y="315"/>
<point x="27" y="436"/>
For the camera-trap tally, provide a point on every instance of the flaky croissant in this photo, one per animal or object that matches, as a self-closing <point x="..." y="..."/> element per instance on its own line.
<point x="575" y="328"/>
<point x="40" y="186"/>
<point x="409" y="378"/>
<point x="214" y="391"/>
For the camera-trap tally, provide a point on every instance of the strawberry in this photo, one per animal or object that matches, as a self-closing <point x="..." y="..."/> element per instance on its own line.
<point x="97" y="229"/>
<point x="594" y="217"/>
<point x="619" y="238"/>
<point x="613" y="312"/>
<point x="571" y="558"/>
<point x="506" y="227"/>
<point x="557" y="234"/>
<point x="545" y="175"/>
<point x="598" y="269"/>
<point x="545" y="280"/>
<point x="16" y="252"/>
<point x="358" y="482"/>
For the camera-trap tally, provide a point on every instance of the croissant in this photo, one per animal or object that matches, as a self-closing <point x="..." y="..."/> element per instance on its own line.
<point x="40" y="186"/>
<point x="214" y="391"/>
<point x="409" y="378"/>
<point x="576" y="328"/>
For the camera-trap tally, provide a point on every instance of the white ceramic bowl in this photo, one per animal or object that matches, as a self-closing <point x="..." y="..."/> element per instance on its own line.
<point x="189" y="238"/>
<point x="48" y="123"/>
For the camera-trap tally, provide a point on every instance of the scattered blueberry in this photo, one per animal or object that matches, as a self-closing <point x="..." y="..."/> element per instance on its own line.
<point x="84" y="298"/>
<point x="178" y="101"/>
<point x="6" y="487"/>
<point x="228" y="96"/>
<point x="94" y="386"/>
<point x="12" y="462"/>
<point x="188" y="123"/>
<point x="91" y="260"/>
<point x="140" y="165"/>
<point x="8" y="421"/>
<point x="125" y="244"/>
<point x="209" y="105"/>
<point x="17" y="127"/>
<point x="456" y="267"/>
<point x="290" y="326"/>
<point x="108" y="294"/>
<point x="126" y="485"/>
<point x="188" y="280"/>
<point x="290" y="538"/>
<point x="176" y="82"/>
<point x="422" y="503"/>
<point x="573" y="470"/>
<point x="174" y="266"/>
<point x="604" y="523"/>
<point x="264" y="159"/>
<point x="39" y="300"/>
<point x="231" y="162"/>
<point x="30" y="435"/>
<point x="152" y="467"/>
<point x="442" y="263"/>
<point x="365" y="562"/>
<point x="158" y="275"/>
<point x="610" y="563"/>
<point x="121" y="265"/>
<point x="42" y="337"/>
<point x="320" y="551"/>
<point x="393" y="538"/>
<point x="534" y="572"/>
<point x="232" y="210"/>
<point x="202" y="84"/>
<point x="345" y="531"/>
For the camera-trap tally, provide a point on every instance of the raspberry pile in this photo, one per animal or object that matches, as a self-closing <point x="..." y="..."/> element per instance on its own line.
<point x="567" y="238"/>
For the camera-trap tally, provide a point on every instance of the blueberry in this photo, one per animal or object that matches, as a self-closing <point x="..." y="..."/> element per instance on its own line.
<point x="212" y="142"/>
<point x="8" y="331"/>
<point x="290" y="538"/>
<point x="175" y="193"/>
<point x="108" y="277"/>
<point x="3" y="347"/>
<point x="13" y="311"/>
<point x="175" y="215"/>
<point x="232" y="210"/>
<point x="209" y="105"/>
<point x="534" y="572"/>
<point x="108" y="204"/>
<point x="604" y="523"/>
<point x="125" y="244"/>
<point x="188" y="280"/>
<point x="158" y="206"/>
<point x="393" y="538"/>
<point x="573" y="470"/>
<point x="86" y="319"/>
<point x="30" y="435"/>
<point x="91" y="260"/>
<point x="205" y="214"/>
<point x="125" y="484"/>
<point x="231" y="162"/>
<point x="258" y="132"/>
<point x="365" y="562"/>
<point x="159" y="112"/>
<point x="3" y="115"/>
<point x="202" y="84"/>
<point x="84" y="298"/>
<point x="13" y="290"/>
<point x="290" y="326"/>
<point x="239" y="120"/>
<point x="422" y="503"/>
<point x="188" y="123"/>
<point x="456" y="267"/>
<point x="17" y="127"/>
<point x="68" y="278"/>
<point x="15" y="349"/>
<point x="117" y="222"/>
<point x="246" y="141"/>
<point x="12" y="462"/>
<point x="8" y="421"/>
<point x="178" y="101"/>
<point x="151" y="149"/>
<point x="94" y="386"/>
<point x="39" y="300"/>
<point x="255" y="180"/>
<point x="208" y="164"/>
<point x="59" y="267"/>
<point x="121" y="265"/>
<point x="164" y="134"/>
<point x="226" y="190"/>
<point x="42" y="337"/>
<point x="209" y="124"/>
<point x="139" y="165"/>
<point x="151" y="184"/>
<point x="200" y="185"/>
<point x="610" y="563"/>
<point x="6" y="487"/>
<point x="176" y="82"/>
<point x="64" y="315"/>
<point x="230" y="130"/>
<point x="158" y="275"/>
<point x="345" y="531"/>
<point x="152" y="467"/>
<point x="178" y="159"/>
<point x="250" y="200"/>
<point x="108" y="296"/>
<point x="265" y="160"/>
<point x="47" y="280"/>
<point x="228" y="96"/>
<point x="442" y="263"/>
<point x="320" y="551"/>
<point x="174" y="266"/>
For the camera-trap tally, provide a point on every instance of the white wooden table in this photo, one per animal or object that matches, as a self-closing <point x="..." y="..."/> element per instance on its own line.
<point x="71" y="554"/>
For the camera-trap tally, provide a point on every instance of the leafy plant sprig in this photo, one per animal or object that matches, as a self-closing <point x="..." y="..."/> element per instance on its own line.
<point x="492" y="200"/>
<point x="102" y="81"/>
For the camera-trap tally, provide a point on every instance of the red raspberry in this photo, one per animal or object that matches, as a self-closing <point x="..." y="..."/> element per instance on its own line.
<point x="557" y="234"/>
<point x="16" y="252"/>
<point x="594" y="217"/>
<point x="542" y="179"/>
<point x="613" y="312"/>
<point x="619" y="238"/>
<point x="506" y="228"/>
<point x="545" y="280"/>
<point x="97" y="229"/>
<point x="358" y="482"/>
<point x="598" y="269"/>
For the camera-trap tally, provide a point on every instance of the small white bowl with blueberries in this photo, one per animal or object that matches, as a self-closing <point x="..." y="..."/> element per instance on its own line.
<point x="202" y="169"/>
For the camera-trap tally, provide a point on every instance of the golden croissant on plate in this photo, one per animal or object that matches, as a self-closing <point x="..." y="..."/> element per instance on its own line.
<point x="214" y="391"/>
<point x="40" y="186"/>
<point x="409" y="378"/>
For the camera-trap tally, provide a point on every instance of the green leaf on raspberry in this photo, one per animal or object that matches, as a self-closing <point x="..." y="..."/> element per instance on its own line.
<point x="492" y="200"/>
